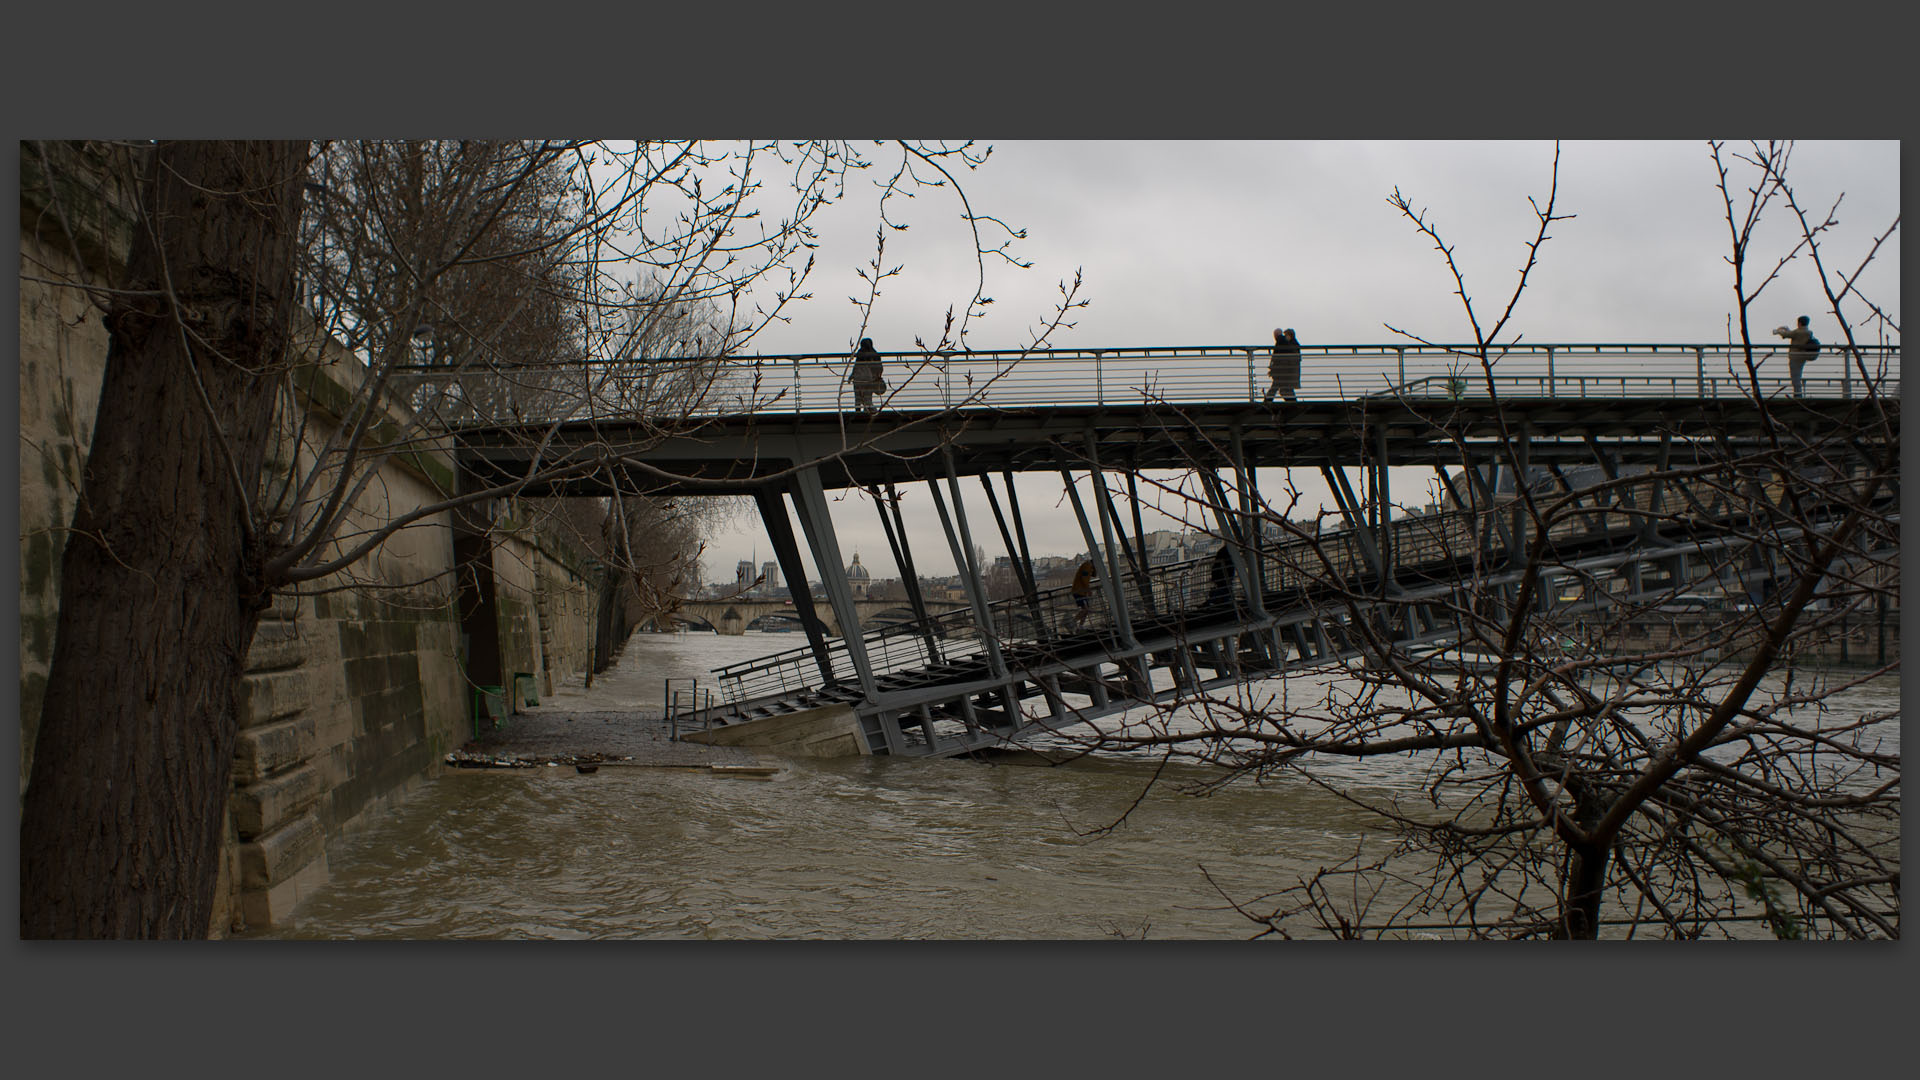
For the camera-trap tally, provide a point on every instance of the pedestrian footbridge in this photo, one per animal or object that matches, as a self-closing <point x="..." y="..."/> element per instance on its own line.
<point x="1626" y="439"/>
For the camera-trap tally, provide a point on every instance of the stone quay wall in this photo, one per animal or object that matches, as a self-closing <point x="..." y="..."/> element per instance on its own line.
<point x="63" y="353"/>
<point x="354" y="688"/>
<point x="546" y="591"/>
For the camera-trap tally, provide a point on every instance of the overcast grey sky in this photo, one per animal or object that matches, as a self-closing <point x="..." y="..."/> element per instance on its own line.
<point x="1217" y="243"/>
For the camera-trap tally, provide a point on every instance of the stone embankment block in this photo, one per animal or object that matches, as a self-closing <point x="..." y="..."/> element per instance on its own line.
<point x="284" y="607"/>
<point x="262" y="807"/>
<point x="266" y="697"/>
<point x="277" y="645"/>
<point x="299" y="857"/>
<point x="279" y="855"/>
<point x="260" y="752"/>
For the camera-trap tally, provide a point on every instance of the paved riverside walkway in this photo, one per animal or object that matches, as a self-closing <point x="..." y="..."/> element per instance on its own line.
<point x="598" y="725"/>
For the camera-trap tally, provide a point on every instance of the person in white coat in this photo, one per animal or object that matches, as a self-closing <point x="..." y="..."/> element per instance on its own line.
<point x="1802" y="347"/>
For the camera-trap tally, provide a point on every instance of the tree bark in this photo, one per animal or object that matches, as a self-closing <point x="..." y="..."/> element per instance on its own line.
<point x="161" y="585"/>
<point x="1586" y="882"/>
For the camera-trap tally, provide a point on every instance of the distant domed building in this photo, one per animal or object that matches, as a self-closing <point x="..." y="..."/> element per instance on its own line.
<point x="857" y="578"/>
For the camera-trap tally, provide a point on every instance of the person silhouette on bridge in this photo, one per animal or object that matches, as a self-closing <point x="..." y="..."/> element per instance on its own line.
<point x="1083" y="592"/>
<point x="1802" y="346"/>
<point x="1220" y="578"/>
<point x="865" y="377"/>
<point x="1285" y="368"/>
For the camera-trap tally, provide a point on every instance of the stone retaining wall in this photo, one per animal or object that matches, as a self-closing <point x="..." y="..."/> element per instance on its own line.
<point x="353" y="692"/>
<point x="63" y="355"/>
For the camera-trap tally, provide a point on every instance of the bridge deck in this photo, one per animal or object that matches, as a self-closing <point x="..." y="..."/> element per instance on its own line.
<point x="759" y="417"/>
<point x="777" y="426"/>
<point x="731" y="455"/>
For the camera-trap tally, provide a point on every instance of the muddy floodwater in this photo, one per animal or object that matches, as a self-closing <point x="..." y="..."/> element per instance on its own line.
<point x="857" y="848"/>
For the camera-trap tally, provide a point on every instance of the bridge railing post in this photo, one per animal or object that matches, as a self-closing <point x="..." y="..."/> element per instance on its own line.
<point x="1552" y="386"/>
<point x="1700" y="371"/>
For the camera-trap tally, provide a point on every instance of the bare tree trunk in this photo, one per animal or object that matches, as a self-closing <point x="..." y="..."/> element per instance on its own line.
<point x="1586" y="885"/>
<point x="123" y="818"/>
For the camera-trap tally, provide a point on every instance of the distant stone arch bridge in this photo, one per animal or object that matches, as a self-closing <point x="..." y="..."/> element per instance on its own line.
<point x="735" y="616"/>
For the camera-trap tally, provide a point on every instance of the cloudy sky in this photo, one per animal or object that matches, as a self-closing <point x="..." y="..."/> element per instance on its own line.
<point x="1211" y="243"/>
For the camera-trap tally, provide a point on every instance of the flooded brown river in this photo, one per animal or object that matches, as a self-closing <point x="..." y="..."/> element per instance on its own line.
<point x="861" y="848"/>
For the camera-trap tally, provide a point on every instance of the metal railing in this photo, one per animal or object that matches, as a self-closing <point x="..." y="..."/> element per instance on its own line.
<point x="1183" y="589"/>
<point x="1210" y="374"/>
<point x="1287" y="565"/>
<point x="691" y="702"/>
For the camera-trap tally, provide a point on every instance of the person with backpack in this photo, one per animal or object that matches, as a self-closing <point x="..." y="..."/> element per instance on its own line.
<point x="1802" y="347"/>
<point x="866" y="377"/>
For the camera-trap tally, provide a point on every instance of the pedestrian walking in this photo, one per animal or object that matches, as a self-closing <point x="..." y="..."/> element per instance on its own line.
<point x="1285" y="367"/>
<point x="1083" y="592"/>
<point x="1802" y="347"/>
<point x="1220" y="578"/>
<point x="866" y="376"/>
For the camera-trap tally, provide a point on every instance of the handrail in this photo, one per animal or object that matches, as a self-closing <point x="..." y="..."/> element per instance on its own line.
<point x="1194" y="374"/>
<point x="1237" y="352"/>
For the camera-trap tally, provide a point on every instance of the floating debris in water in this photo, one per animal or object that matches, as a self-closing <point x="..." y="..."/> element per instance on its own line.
<point x="468" y="759"/>
<point x="586" y="763"/>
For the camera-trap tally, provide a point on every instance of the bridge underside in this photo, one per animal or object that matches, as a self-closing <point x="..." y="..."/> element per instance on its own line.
<point x="735" y="455"/>
<point x="997" y="672"/>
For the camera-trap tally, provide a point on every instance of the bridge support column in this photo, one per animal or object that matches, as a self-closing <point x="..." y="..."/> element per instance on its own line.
<point x="1252" y="564"/>
<point x="1135" y="670"/>
<point x="773" y="514"/>
<point x="1111" y="582"/>
<point x="1018" y="556"/>
<point x="1492" y="522"/>
<point x="969" y="716"/>
<point x="1114" y="528"/>
<point x="1110" y="585"/>
<point x="1350" y="509"/>
<point x="1245" y="536"/>
<point x="1650" y="530"/>
<point x="971" y="579"/>
<point x="1249" y="565"/>
<point x="1523" y="460"/>
<point x="1050" y="690"/>
<point x="1617" y="498"/>
<point x="1302" y="647"/>
<point x="1178" y="664"/>
<point x="1383" y="508"/>
<point x="1145" y="561"/>
<point x="810" y="503"/>
<point x="896" y="531"/>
